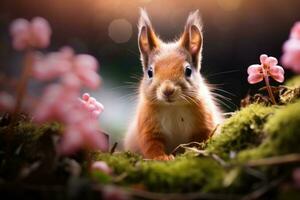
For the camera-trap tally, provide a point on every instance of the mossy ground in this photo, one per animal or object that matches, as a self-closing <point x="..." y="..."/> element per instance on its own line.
<point x="221" y="166"/>
<point x="255" y="132"/>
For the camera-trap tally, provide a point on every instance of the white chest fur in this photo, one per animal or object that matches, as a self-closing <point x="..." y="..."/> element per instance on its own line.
<point x="177" y="124"/>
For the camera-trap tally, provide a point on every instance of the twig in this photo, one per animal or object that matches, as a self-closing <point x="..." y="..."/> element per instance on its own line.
<point x="262" y="190"/>
<point x="214" y="131"/>
<point x="112" y="150"/>
<point x="21" y="90"/>
<point x="228" y="114"/>
<point x="219" y="160"/>
<point x="184" y="146"/>
<point x="255" y="173"/>
<point x="276" y="160"/>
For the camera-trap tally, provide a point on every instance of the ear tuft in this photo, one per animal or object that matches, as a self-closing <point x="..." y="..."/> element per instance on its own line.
<point x="191" y="38"/>
<point x="144" y="19"/>
<point x="194" y="19"/>
<point x="147" y="39"/>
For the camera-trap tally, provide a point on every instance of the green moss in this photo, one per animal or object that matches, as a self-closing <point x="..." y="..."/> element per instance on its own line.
<point x="293" y="82"/>
<point x="257" y="131"/>
<point x="241" y="131"/>
<point x="25" y="143"/>
<point x="184" y="174"/>
<point x="283" y="135"/>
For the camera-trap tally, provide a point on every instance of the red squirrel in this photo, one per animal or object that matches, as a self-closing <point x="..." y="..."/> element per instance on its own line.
<point x="175" y="105"/>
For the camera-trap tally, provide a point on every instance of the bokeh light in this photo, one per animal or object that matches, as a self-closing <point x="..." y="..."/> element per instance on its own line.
<point x="120" y="30"/>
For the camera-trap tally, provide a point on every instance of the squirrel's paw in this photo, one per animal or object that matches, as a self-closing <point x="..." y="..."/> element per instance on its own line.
<point x="164" y="157"/>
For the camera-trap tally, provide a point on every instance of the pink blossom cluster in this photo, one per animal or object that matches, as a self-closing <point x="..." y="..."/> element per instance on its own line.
<point x="92" y="105"/>
<point x="81" y="128"/>
<point x="291" y="50"/>
<point x="33" y="34"/>
<point x="267" y="67"/>
<point x="74" y="70"/>
<point x="60" y="100"/>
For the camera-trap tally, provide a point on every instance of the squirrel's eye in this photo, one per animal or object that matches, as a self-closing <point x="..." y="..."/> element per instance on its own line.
<point x="150" y="73"/>
<point x="188" y="71"/>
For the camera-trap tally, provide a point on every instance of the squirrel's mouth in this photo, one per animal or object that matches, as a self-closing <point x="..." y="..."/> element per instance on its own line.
<point x="168" y="100"/>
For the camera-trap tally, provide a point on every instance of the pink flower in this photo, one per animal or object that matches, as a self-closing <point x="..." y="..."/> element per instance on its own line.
<point x="291" y="50"/>
<point x="50" y="66"/>
<point x="101" y="166"/>
<point x="7" y="102"/>
<point x="81" y="128"/>
<point x="40" y="32"/>
<point x="77" y="137"/>
<point x="92" y="105"/>
<point x="73" y="70"/>
<point x="85" y="66"/>
<point x="27" y="34"/>
<point x="55" y="104"/>
<point x="268" y="67"/>
<point x="295" y="32"/>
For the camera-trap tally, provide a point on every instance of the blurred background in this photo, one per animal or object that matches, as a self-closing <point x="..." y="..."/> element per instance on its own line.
<point x="236" y="32"/>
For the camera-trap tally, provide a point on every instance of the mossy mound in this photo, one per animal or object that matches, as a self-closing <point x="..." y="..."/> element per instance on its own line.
<point x="24" y="144"/>
<point x="293" y="82"/>
<point x="283" y="135"/>
<point x="223" y="164"/>
<point x="241" y="131"/>
<point x="186" y="173"/>
<point x="255" y="132"/>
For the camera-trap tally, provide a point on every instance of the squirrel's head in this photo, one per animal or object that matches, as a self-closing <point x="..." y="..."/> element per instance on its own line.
<point x="171" y="70"/>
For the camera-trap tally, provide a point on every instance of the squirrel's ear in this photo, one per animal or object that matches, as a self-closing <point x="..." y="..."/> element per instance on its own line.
<point x="192" y="39"/>
<point x="147" y="39"/>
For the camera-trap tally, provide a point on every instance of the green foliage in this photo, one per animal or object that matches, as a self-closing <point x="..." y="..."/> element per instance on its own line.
<point x="293" y="82"/>
<point x="184" y="174"/>
<point x="25" y="143"/>
<point x="241" y="131"/>
<point x="255" y="132"/>
<point x="283" y="135"/>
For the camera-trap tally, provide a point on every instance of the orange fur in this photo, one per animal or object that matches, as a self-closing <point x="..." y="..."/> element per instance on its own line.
<point x="172" y="108"/>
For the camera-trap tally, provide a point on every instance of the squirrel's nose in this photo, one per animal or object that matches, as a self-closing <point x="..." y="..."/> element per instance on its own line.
<point x="168" y="92"/>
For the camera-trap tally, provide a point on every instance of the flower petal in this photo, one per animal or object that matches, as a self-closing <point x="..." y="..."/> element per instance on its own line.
<point x="101" y="166"/>
<point x="255" y="78"/>
<point x="278" y="77"/>
<point x="295" y="32"/>
<point x="263" y="58"/>
<point x="86" y="96"/>
<point x="84" y="62"/>
<point x="292" y="45"/>
<point x="254" y="69"/>
<point x="96" y="140"/>
<point x="71" y="81"/>
<point x="41" y="32"/>
<point x="20" y="32"/>
<point x="71" y="141"/>
<point x="276" y="70"/>
<point x="271" y="61"/>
